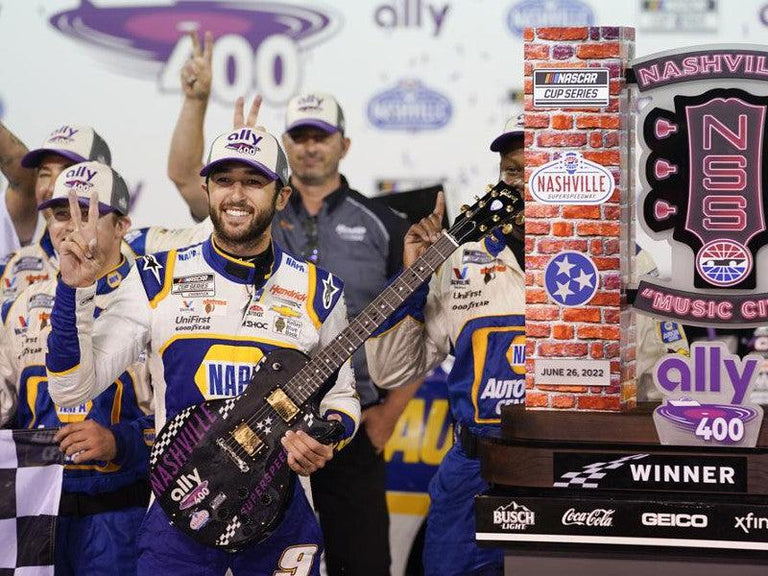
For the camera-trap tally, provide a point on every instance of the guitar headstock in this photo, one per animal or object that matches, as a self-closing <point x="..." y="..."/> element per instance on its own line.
<point x="500" y="205"/>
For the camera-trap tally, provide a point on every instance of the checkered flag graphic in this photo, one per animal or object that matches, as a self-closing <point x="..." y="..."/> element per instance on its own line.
<point x="590" y="476"/>
<point x="31" y="469"/>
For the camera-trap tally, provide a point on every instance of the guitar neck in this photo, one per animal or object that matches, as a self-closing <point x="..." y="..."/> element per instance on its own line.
<point x="323" y="364"/>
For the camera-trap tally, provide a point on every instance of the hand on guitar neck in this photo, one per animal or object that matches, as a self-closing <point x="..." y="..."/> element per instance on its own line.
<point x="424" y="233"/>
<point x="305" y="454"/>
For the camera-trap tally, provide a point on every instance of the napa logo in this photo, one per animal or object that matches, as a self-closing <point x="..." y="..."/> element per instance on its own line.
<point x="226" y="370"/>
<point x="516" y="354"/>
<point x="258" y="46"/>
<point x="75" y="413"/>
<point x="409" y="106"/>
<point x="548" y="13"/>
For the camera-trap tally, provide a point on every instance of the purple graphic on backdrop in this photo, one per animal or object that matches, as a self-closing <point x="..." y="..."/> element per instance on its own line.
<point x="548" y="13"/>
<point x="255" y="43"/>
<point x="571" y="278"/>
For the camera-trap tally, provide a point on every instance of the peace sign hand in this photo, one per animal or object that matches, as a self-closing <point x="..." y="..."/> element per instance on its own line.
<point x="80" y="256"/>
<point x="196" y="73"/>
<point x="239" y="120"/>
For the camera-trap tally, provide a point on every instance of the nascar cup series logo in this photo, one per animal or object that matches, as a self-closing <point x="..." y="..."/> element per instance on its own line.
<point x="704" y="182"/>
<point x="706" y="397"/>
<point x="410" y="106"/>
<point x="257" y="45"/>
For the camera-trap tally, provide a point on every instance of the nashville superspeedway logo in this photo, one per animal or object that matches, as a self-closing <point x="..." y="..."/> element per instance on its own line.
<point x="257" y="45"/>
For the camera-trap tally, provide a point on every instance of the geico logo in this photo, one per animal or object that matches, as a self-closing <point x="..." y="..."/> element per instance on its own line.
<point x="679" y="520"/>
<point x="226" y="370"/>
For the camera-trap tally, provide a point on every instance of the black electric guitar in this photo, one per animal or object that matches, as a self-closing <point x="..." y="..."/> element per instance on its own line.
<point x="219" y="470"/>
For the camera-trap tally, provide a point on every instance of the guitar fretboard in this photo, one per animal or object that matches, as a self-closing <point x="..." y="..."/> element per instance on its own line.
<point x="323" y="364"/>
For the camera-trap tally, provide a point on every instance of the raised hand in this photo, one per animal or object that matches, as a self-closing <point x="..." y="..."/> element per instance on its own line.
<point x="424" y="233"/>
<point x="80" y="256"/>
<point x="196" y="73"/>
<point x="240" y="121"/>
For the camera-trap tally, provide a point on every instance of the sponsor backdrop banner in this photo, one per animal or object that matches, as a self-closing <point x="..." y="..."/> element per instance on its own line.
<point x="637" y="522"/>
<point x="425" y="84"/>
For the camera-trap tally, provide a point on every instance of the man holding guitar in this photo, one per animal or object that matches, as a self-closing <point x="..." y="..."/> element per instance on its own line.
<point x="209" y="313"/>
<point x="474" y="308"/>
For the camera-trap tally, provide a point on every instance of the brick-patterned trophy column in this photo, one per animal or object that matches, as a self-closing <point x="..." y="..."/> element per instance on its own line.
<point x="579" y="230"/>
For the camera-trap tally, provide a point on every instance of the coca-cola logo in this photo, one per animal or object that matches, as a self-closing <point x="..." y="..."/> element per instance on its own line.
<point x="597" y="517"/>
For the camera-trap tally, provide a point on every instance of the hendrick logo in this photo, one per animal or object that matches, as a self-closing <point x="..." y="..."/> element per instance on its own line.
<point x="513" y="516"/>
<point x="602" y="517"/>
<point x="650" y="472"/>
<point x="257" y="44"/>
<point x="409" y="106"/>
<point x="547" y="13"/>
<point x="751" y="522"/>
<point x="572" y="179"/>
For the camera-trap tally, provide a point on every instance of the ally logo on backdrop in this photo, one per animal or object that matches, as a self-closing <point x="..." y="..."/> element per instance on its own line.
<point x="256" y="45"/>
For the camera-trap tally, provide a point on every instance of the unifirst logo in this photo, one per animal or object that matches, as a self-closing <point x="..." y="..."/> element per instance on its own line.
<point x="226" y="370"/>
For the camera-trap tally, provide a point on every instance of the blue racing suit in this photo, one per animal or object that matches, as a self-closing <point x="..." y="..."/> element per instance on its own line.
<point x="474" y="309"/>
<point x="103" y="503"/>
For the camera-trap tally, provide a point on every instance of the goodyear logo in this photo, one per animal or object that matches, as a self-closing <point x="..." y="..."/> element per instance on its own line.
<point x="226" y="370"/>
<point x="516" y="354"/>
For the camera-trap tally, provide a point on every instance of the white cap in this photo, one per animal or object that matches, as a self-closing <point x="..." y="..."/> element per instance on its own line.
<point x="318" y="110"/>
<point x="78" y="143"/>
<point x="84" y="179"/>
<point x="258" y="149"/>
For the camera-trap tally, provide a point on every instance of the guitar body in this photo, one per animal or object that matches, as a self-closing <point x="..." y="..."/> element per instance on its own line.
<point x="218" y="469"/>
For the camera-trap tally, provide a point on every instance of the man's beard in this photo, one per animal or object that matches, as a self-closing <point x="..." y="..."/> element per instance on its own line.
<point x="250" y="234"/>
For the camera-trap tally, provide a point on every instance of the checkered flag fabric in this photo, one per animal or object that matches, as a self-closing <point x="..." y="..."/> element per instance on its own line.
<point x="31" y="469"/>
<point x="590" y="476"/>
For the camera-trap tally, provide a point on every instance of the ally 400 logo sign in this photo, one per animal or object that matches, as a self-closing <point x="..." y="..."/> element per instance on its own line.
<point x="706" y="398"/>
<point x="256" y="44"/>
<point x="705" y="182"/>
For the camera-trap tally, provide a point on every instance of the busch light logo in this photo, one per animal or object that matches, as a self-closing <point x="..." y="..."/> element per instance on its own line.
<point x="514" y="516"/>
<point x="63" y="134"/>
<point x="257" y="45"/>
<point x="548" y="13"/>
<point x="409" y="106"/>
<point x="244" y="141"/>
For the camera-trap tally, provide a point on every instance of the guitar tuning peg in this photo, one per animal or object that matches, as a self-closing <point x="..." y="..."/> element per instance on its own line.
<point x="483" y="227"/>
<point x="481" y="204"/>
<point x="494" y="194"/>
<point x="477" y="197"/>
<point x="520" y="219"/>
<point x="464" y="207"/>
<point x="506" y="229"/>
<point x="509" y="208"/>
<point x="495" y="218"/>
<point x="488" y="187"/>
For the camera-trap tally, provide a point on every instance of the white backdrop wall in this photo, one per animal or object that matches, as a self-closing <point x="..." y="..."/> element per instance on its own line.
<point x="425" y="84"/>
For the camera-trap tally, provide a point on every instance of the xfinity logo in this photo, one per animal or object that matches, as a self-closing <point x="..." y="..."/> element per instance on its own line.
<point x="667" y="519"/>
<point x="751" y="522"/>
<point x="513" y="517"/>
<point x="597" y="517"/>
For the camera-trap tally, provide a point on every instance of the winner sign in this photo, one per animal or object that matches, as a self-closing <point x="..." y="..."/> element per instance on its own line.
<point x="703" y="137"/>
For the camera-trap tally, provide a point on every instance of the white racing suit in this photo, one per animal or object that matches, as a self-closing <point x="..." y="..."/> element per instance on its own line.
<point x="208" y="320"/>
